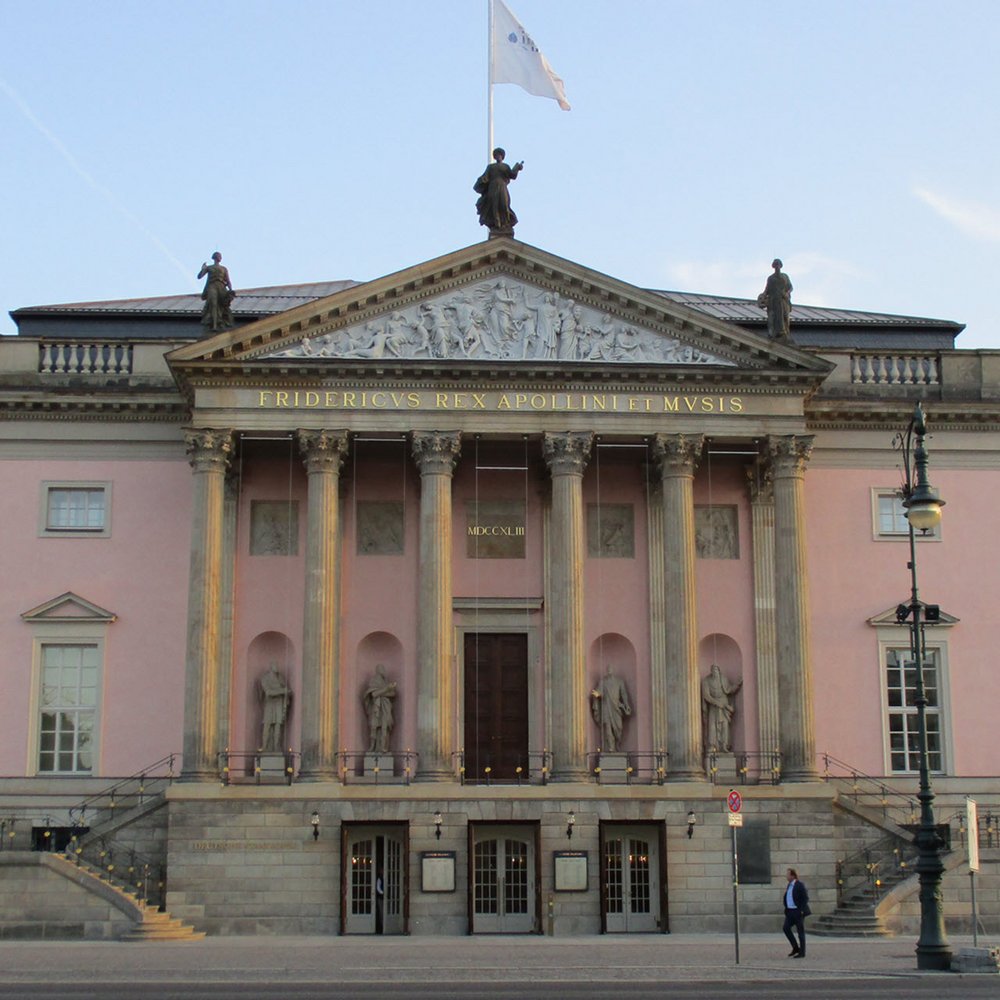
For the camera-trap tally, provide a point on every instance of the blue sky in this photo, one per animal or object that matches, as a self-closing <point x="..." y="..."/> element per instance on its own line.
<point x="340" y="139"/>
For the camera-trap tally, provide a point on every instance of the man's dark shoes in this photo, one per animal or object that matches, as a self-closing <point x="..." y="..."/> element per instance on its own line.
<point x="794" y="953"/>
<point x="799" y="954"/>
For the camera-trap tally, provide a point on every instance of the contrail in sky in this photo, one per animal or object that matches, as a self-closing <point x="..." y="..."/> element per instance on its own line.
<point x="82" y="173"/>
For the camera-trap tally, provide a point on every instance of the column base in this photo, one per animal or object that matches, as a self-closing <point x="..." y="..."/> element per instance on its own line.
<point x="194" y="775"/>
<point x="800" y="775"/>
<point x="319" y="774"/>
<point x="687" y="774"/>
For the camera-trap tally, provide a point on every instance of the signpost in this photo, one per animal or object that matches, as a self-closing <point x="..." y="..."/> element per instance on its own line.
<point x="972" y="826"/>
<point x="734" y="804"/>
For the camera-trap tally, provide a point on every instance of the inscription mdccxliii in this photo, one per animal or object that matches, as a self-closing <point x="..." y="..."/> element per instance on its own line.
<point x="497" y="402"/>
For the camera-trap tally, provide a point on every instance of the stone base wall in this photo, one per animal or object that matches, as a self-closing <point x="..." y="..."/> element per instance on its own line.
<point x="37" y="902"/>
<point x="244" y="861"/>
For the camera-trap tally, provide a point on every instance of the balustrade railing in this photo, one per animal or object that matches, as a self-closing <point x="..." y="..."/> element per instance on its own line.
<point x="873" y="793"/>
<point x="644" y="767"/>
<point x="393" y="767"/>
<point x="749" y="767"/>
<point x="895" y="369"/>
<point x="874" y="869"/>
<point x="125" y="794"/>
<point x="143" y="877"/>
<point x="533" y="769"/>
<point x="239" y="767"/>
<point x="85" y="358"/>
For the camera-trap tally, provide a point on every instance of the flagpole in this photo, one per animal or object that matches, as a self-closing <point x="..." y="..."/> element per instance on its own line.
<point x="489" y="102"/>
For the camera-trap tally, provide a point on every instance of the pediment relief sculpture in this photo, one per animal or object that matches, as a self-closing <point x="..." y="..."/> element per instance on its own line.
<point x="502" y="320"/>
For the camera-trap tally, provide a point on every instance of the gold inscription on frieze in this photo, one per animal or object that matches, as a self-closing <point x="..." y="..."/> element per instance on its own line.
<point x="552" y="402"/>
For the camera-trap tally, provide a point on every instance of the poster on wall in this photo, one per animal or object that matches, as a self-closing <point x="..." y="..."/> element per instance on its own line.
<point x="570" y="871"/>
<point x="437" y="871"/>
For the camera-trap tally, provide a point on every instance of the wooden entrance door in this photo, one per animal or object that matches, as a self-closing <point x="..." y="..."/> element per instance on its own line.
<point x="496" y="705"/>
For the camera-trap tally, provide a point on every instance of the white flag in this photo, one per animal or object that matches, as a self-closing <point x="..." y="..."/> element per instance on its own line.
<point x="516" y="58"/>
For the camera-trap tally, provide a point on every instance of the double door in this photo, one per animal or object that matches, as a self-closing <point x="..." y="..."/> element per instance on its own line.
<point x="374" y="880"/>
<point x="630" y="871"/>
<point x="504" y="880"/>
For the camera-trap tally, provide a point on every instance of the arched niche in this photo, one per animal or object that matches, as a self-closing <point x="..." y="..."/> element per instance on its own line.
<point x="614" y="651"/>
<point x="724" y="651"/>
<point x="374" y="649"/>
<point x="263" y="650"/>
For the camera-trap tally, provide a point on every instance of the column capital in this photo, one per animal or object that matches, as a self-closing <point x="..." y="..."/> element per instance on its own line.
<point x="760" y="481"/>
<point x="677" y="454"/>
<point x="208" y="449"/>
<point x="567" y="453"/>
<point x="436" y="452"/>
<point x="323" y="450"/>
<point x="788" y="454"/>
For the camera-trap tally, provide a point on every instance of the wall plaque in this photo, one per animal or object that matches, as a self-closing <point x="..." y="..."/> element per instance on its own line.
<point x="611" y="530"/>
<point x="437" y="871"/>
<point x="380" y="528"/>
<point x="494" y="529"/>
<point x="274" y="527"/>
<point x="754" y="846"/>
<point x="716" y="533"/>
<point x="569" y="871"/>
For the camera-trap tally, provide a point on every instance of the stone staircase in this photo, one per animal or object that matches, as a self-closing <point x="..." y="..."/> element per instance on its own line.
<point x="147" y="924"/>
<point x="857" y="916"/>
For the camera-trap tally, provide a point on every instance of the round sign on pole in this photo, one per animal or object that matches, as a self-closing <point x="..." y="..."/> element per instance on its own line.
<point x="735" y="801"/>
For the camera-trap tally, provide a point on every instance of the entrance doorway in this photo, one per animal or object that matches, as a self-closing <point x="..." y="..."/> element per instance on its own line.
<point x="496" y="706"/>
<point x="631" y="890"/>
<point x="373" y="880"/>
<point x="504" y="880"/>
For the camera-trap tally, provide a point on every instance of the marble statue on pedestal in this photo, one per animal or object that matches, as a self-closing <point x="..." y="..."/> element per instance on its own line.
<point x="377" y="700"/>
<point x="276" y="696"/>
<point x="609" y="705"/>
<point x="716" y="695"/>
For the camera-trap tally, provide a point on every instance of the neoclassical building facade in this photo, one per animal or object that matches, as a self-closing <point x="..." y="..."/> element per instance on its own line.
<point x="457" y="600"/>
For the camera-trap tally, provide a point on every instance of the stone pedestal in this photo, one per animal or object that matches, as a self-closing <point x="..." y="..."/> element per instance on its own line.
<point x="271" y="765"/>
<point x="725" y="768"/>
<point x="613" y="768"/>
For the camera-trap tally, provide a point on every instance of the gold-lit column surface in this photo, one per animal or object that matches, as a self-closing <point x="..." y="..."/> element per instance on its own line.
<point x="788" y="456"/>
<point x="435" y="453"/>
<point x="323" y="455"/>
<point x="657" y="615"/>
<point x="677" y="456"/>
<point x="208" y="452"/>
<point x="566" y="456"/>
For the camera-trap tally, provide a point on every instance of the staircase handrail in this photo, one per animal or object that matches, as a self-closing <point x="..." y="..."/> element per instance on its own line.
<point x="896" y="806"/>
<point x="138" y="874"/>
<point x="112" y="796"/>
<point x="866" y="870"/>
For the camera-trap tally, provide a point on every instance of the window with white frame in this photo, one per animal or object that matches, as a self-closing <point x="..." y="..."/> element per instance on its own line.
<point x="889" y="516"/>
<point x="69" y="677"/>
<point x="901" y="695"/>
<point x="76" y="508"/>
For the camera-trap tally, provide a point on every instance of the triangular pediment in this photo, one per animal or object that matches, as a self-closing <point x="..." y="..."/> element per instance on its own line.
<point x="499" y="303"/>
<point x="69" y="607"/>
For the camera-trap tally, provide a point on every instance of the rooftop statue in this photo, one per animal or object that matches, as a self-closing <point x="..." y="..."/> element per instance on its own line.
<point x="493" y="205"/>
<point x="218" y="295"/>
<point x="777" y="300"/>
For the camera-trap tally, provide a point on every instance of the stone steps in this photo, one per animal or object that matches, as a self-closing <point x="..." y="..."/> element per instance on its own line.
<point x="156" y="926"/>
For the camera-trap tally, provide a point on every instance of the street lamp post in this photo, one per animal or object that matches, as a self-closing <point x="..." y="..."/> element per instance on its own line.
<point x="923" y="512"/>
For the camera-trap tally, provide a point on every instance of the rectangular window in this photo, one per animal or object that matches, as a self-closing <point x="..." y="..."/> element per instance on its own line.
<point x="75" y="508"/>
<point x="901" y="690"/>
<point x="889" y="516"/>
<point x="69" y="679"/>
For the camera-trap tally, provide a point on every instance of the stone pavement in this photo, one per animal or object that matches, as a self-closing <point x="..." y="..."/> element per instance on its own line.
<point x="502" y="959"/>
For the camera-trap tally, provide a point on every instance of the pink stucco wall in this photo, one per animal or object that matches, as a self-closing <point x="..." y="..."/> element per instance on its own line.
<point x="139" y="573"/>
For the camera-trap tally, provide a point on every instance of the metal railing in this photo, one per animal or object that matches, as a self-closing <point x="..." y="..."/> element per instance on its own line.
<point x="141" y="876"/>
<point x="751" y="767"/>
<point x="644" y="767"/>
<point x="533" y="769"/>
<point x="85" y="358"/>
<point x="895" y="369"/>
<point x="125" y="793"/>
<point x="238" y="767"/>
<point x="988" y="816"/>
<point x="370" y="766"/>
<point x="874" y="869"/>
<point x="871" y="792"/>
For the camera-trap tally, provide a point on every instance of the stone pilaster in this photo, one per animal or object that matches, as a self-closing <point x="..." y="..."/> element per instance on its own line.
<point x="677" y="457"/>
<point x="566" y="456"/>
<point x="323" y="453"/>
<point x="435" y="453"/>
<point x="230" y="505"/>
<point x="209" y="452"/>
<point x="761" y="489"/>
<point x="788" y="456"/>
<point x="659" y="695"/>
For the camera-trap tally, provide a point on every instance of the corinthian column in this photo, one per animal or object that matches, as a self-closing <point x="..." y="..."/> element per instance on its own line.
<point x="566" y="456"/>
<point x="323" y="454"/>
<point x="435" y="453"/>
<point x="204" y="674"/>
<point x="788" y="456"/>
<point x="676" y="456"/>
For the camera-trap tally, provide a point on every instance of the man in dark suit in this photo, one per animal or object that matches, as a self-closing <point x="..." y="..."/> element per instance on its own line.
<point x="796" y="901"/>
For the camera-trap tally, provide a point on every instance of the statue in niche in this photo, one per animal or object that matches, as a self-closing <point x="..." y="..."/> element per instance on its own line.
<point x="609" y="705"/>
<point x="218" y="294"/>
<point x="377" y="701"/>
<point x="716" y="695"/>
<point x="777" y="300"/>
<point x="276" y="696"/>
<point x="493" y="205"/>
